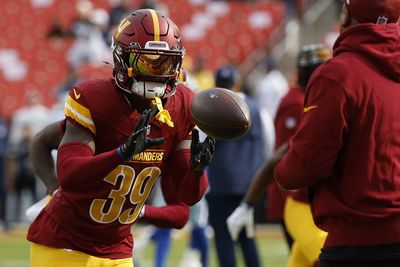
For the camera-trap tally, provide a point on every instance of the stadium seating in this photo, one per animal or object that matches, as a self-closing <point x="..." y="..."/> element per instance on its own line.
<point x="218" y="31"/>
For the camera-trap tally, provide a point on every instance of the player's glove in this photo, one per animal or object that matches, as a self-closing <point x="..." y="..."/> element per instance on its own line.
<point x="139" y="141"/>
<point x="201" y="153"/>
<point x="142" y="211"/>
<point x="33" y="211"/>
<point x="242" y="216"/>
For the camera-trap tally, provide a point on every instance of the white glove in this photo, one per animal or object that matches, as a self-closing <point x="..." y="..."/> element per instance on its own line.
<point x="142" y="211"/>
<point x="242" y="216"/>
<point x="33" y="211"/>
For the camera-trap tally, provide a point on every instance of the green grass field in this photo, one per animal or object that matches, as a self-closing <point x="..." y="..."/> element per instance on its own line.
<point x="14" y="249"/>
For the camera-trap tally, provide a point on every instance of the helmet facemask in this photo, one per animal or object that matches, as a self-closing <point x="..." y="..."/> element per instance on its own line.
<point x="147" y="72"/>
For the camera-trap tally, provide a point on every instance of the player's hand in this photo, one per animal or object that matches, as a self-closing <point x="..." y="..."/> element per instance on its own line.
<point x="33" y="211"/>
<point x="241" y="217"/>
<point x="142" y="211"/>
<point x="139" y="141"/>
<point x="201" y="153"/>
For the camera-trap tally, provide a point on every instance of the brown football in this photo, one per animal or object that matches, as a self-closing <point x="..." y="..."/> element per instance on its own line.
<point x="221" y="113"/>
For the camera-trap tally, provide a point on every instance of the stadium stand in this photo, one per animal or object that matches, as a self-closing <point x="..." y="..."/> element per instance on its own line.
<point x="219" y="31"/>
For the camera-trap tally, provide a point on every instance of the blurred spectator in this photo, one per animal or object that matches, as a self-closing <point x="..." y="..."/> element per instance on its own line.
<point x="234" y="164"/>
<point x="119" y="9"/>
<point x="24" y="173"/>
<point x="30" y="118"/>
<point x="71" y="80"/>
<point x="33" y="115"/>
<point x="270" y="89"/>
<point x="56" y="31"/>
<point x="156" y="5"/>
<point x="331" y="36"/>
<point x="89" y="30"/>
<point x="203" y="76"/>
<point x="290" y="8"/>
<point x="3" y="191"/>
<point x="61" y="92"/>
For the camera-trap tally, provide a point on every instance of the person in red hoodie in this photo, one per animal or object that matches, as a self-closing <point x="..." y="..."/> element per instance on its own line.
<point x="347" y="147"/>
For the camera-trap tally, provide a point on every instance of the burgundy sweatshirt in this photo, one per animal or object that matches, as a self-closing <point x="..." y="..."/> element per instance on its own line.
<point x="347" y="147"/>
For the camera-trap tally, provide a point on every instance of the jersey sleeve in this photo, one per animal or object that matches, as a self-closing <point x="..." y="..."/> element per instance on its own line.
<point x="169" y="216"/>
<point x="77" y="109"/>
<point x="189" y="185"/>
<point x="287" y="121"/>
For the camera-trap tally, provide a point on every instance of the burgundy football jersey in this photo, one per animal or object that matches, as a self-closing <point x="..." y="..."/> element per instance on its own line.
<point x="106" y="207"/>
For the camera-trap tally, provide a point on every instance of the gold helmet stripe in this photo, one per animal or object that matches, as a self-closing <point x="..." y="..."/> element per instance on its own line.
<point x="156" y="25"/>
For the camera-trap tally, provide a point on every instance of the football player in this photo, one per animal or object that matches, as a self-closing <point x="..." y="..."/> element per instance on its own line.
<point x="307" y="238"/>
<point x="174" y="215"/>
<point x="121" y="134"/>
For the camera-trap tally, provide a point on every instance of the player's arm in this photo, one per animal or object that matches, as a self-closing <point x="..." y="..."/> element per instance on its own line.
<point x="263" y="177"/>
<point x="40" y="154"/>
<point x="243" y="215"/>
<point x="169" y="216"/>
<point x="186" y="168"/>
<point x="314" y="147"/>
<point x="265" y="173"/>
<point x="77" y="160"/>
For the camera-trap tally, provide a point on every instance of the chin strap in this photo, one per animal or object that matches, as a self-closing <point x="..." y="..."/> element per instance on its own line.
<point x="163" y="114"/>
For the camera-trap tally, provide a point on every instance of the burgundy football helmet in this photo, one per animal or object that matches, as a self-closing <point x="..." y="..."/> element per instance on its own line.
<point x="147" y="54"/>
<point x="308" y="59"/>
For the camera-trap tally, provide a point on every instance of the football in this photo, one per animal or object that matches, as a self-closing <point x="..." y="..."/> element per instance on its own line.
<point x="221" y="113"/>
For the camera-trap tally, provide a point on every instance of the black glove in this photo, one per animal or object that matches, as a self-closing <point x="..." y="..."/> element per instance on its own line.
<point x="201" y="153"/>
<point x="139" y="141"/>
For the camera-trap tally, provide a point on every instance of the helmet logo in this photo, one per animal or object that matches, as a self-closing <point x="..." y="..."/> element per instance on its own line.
<point x="124" y="23"/>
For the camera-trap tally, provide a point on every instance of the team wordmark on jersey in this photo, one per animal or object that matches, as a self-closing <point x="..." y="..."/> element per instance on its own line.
<point x="148" y="156"/>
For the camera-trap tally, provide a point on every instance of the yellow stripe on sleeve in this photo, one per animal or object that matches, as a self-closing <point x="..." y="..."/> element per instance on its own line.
<point x="79" y="113"/>
<point x="156" y="25"/>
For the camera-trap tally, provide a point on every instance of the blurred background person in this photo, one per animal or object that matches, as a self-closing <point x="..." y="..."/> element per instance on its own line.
<point x="204" y="77"/>
<point x="197" y="252"/>
<point x="25" y="123"/>
<point x="270" y="89"/>
<point x="234" y="164"/>
<point x="298" y="223"/>
<point x="308" y="238"/>
<point x="24" y="178"/>
<point x="4" y="128"/>
<point x="90" y="32"/>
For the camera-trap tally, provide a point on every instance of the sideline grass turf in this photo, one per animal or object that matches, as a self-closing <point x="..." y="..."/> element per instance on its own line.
<point x="14" y="249"/>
